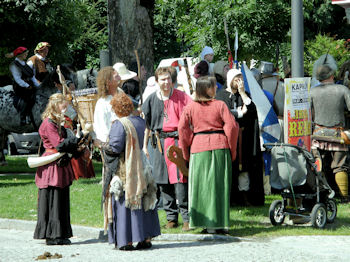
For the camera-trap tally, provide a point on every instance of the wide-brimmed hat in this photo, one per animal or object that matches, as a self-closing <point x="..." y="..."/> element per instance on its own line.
<point x="123" y="72"/>
<point x="41" y="46"/>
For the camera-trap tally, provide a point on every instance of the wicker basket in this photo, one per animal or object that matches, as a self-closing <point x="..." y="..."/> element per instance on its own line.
<point x="86" y="106"/>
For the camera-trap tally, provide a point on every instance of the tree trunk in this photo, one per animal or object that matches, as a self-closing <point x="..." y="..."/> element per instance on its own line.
<point x="130" y="24"/>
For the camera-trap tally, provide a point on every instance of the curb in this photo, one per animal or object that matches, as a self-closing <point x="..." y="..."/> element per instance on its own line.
<point x="98" y="233"/>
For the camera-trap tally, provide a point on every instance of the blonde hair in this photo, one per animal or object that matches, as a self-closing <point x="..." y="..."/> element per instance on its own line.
<point x="103" y="76"/>
<point x="51" y="110"/>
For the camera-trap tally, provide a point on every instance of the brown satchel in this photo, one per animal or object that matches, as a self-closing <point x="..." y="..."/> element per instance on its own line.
<point x="174" y="154"/>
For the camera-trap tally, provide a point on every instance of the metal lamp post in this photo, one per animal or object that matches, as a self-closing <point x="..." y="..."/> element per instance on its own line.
<point x="297" y="39"/>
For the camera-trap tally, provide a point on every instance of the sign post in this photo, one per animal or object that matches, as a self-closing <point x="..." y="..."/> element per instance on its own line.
<point x="297" y="112"/>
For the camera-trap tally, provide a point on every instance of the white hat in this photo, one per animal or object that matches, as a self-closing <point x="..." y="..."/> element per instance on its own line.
<point x="232" y="74"/>
<point x="123" y="72"/>
<point x="206" y="51"/>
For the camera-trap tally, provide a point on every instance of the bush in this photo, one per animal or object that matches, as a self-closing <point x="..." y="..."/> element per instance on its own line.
<point x="321" y="45"/>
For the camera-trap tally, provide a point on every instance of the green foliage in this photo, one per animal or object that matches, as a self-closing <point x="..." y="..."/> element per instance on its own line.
<point x="319" y="46"/>
<point x="261" y="24"/>
<point x="76" y="29"/>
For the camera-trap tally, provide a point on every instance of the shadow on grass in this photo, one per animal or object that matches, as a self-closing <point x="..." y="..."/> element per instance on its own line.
<point x="89" y="181"/>
<point x="15" y="184"/>
<point x="11" y="180"/>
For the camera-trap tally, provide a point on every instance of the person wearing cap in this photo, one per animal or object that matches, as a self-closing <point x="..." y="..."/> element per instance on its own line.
<point x="39" y="61"/>
<point x="162" y="111"/>
<point x="24" y="84"/>
<point x="328" y="101"/>
<point x="247" y="183"/>
<point x="130" y="80"/>
<point x="207" y="55"/>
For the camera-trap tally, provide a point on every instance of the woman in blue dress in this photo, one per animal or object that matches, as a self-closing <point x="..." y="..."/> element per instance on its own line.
<point x="132" y="188"/>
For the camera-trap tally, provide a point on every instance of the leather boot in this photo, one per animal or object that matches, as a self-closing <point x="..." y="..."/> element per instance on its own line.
<point x="341" y="178"/>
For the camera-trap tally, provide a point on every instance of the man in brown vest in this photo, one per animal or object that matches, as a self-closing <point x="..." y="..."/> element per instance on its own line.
<point x="39" y="62"/>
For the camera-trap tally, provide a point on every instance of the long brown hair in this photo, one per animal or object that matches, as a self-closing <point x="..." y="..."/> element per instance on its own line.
<point x="103" y="76"/>
<point x="202" y="85"/>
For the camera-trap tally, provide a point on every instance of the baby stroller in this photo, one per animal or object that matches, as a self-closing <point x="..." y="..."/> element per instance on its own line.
<point x="305" y="191"/>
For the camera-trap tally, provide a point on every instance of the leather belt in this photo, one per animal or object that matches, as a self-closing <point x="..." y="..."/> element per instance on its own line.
<point x="210" y="132"/>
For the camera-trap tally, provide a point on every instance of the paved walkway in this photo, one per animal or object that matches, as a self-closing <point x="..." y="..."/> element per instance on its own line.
<point x="17" y="244"/>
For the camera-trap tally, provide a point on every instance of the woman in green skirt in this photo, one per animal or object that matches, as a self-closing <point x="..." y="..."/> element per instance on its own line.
<point x="208" y="137"/>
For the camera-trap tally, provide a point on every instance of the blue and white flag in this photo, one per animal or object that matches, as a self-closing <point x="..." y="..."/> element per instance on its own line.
<point x="270" y="129"/>
<point x="236" y="47"/>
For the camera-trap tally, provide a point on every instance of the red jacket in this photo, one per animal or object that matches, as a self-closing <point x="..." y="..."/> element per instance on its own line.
<point x="210" y="116"/>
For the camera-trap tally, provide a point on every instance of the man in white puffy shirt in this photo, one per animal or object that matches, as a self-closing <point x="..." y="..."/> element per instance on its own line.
<point x="107" y="85"/>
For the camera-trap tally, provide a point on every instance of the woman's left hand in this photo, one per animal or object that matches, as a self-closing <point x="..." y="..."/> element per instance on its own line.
<point x="240" y="85"/>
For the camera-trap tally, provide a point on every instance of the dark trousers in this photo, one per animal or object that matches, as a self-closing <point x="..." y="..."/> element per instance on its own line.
<point x="170" y="193"/>
<point x="53" y="214"/>
<point x="24" y="101"/>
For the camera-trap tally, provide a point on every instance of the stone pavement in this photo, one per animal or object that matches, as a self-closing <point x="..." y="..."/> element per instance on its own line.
<point x="88" y="244"/>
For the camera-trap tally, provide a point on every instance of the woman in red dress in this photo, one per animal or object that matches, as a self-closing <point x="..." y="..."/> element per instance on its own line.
<point x="54" y="179"/>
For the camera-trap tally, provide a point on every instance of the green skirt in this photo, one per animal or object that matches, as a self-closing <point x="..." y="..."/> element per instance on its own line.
<point x="210" y="176"/>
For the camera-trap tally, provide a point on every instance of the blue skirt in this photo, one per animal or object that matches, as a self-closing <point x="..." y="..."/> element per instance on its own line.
<point x="131" y="225"/>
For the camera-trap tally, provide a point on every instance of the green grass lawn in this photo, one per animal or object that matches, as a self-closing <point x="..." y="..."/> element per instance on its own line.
<point x="18" y="200"/>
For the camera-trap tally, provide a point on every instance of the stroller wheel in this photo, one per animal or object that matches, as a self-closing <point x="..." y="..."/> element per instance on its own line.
<point x="276" y="213"/>
<point x="331" y="210"/>
<point x="319" y="215"/>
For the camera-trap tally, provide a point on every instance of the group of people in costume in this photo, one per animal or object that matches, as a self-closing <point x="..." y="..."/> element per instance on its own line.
<point x="27" y="76"/>
<point x="215" y="127"/>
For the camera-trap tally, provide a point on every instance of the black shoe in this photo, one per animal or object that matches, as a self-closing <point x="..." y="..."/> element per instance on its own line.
<point x="222" y="231"/>
<point x="53" y="241"/>
<point x="57" y="241"/>
<point x="127" y="248"/>
<point x="65" y="241"/>
<point x="144" y="245"/>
